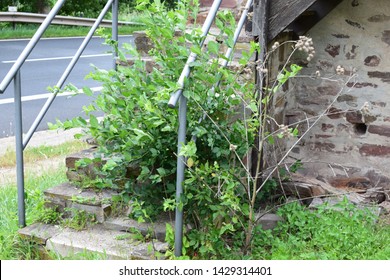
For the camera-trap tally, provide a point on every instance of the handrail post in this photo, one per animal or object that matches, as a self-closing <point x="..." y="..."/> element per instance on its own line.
<point x="19" y="149"/>
<point x="180" y="175"/>
<point x="179" y="97"/>
<point x="115" y="10"/>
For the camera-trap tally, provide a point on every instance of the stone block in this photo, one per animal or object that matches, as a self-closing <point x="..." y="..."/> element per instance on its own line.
<point x="142" y="42"/>
<point x="374" y="150"/>
<point x="39" y="232"/>
<point x="99" y="211"/>
<point x="124" y="224"/>
<point x="384" y="76"/>
<point x="380" y="130"/>
<point x="322" y="146"/>
<point x="70" y="160"/>
<point x="385" y="205"/>
<point x="268" y="221"/>
<point x="372" y="61"/>
<point x="335" y="113"/>
<point x="150" y="64"/>
<point x="357" y="184"/>
<point x="69" y="196"/>
<point x="109" y="243"/>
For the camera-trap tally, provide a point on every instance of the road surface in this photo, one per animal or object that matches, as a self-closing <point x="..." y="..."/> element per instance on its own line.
<point x="44" y="68"/>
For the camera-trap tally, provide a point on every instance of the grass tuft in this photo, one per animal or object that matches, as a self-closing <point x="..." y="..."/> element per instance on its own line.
<point x="11" y="245"/>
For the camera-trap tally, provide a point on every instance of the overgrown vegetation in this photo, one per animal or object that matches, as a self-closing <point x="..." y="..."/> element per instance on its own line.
<point x="222" y="190"/>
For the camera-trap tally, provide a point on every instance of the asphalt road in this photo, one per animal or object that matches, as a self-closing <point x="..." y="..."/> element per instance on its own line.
<point x="44" y="67"/>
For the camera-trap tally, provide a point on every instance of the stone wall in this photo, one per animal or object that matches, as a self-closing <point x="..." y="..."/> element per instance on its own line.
<point x="234" y="5"/>
<point x="353" y="139"/>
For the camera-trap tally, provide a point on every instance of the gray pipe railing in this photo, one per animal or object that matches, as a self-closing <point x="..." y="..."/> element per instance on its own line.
<point x="178" y="96"/>
<point x="114" y="34"/>
<point x="14" y="74"/>
<point x="183" y="127"/>
<point x="192" y="57"/>
<point x="19" y="149"/>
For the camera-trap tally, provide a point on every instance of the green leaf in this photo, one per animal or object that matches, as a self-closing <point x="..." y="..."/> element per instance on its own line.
<point x="93" y="121"/>
<point x="87" y="91"/>
<point x="196" y="50"/>
<point x="190" y="162"/>
<point x="213" y="47"/>
<point x="169" y="233"/>
<point x="252" y="106"/>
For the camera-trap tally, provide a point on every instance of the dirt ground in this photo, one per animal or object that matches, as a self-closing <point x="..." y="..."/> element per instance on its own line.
<point x="49" y="138"/>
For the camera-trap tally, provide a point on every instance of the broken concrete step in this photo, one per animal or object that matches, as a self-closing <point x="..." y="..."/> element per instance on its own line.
<point x="67" y="195"/>
<point x="39" y="233"/>
<point x="109" y="244"/>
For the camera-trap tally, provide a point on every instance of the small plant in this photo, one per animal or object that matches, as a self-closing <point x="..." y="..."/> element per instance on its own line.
<point x="79" y="219"/>
<point x="49" y="216"/>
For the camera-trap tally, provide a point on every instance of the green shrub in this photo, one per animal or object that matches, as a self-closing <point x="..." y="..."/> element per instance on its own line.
<point x="340" y="232"/>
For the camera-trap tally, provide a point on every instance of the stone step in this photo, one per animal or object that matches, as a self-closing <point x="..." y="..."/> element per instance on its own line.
<point x="110" y="244"/>
<point x="157" y="229"/>
<point x="78" y="174"/>
<point x="69" y="196"/>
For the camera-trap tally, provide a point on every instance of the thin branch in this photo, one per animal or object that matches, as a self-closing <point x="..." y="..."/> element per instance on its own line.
<point x="301" y="137"/>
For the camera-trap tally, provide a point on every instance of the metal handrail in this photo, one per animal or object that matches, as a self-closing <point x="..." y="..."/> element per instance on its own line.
<point x="179" y="97"/>
<point x="14" y="74"/>
<point x="192" y="57"/>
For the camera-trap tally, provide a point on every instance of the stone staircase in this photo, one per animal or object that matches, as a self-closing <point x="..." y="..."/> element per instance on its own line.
<point x="107" y="231"/>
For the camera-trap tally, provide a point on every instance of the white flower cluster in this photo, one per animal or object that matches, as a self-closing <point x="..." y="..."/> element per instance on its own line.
<point x="306" y="44"/>
<point x="340" y="70"/>
<point x="285" y="131"/>
<point x="365" y="108"/>
<point x="275" y="46"/>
